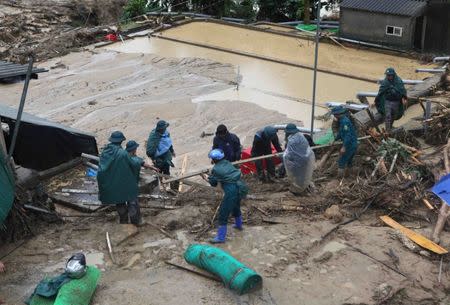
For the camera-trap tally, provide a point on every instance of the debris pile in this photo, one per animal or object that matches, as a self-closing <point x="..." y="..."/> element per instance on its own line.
<point x="438" y="126"/>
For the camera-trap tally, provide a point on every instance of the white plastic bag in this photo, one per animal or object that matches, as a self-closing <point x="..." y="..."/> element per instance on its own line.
<point x="299" y="161"/>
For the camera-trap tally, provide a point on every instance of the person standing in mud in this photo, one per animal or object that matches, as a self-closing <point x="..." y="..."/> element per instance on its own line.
<point x="262" y="145"/>
<point x="132" y="208"/>
<point x="228" y="142"/>
<point x="346" y="133"/>
<point x="391" y="100"/>
<point x="234" y="190"/>
<point x="160" y="147"/>
<point x="116" y="177"/>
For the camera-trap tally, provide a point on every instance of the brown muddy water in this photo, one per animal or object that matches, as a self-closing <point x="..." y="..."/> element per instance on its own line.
<point x="284" y="88"/>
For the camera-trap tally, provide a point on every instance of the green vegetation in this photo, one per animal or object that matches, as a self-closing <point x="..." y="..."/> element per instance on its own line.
<point x="270" y="10"/>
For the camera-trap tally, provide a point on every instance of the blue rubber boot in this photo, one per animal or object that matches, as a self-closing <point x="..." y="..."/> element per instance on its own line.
<point x="221" y="235"/>
<point x="238" y="223"/>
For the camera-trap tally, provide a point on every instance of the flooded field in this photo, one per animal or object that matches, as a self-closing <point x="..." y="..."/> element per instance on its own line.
<point x="272" y="85"/>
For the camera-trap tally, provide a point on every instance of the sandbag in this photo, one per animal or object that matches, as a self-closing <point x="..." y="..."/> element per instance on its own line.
<point x="75" y="292"/>
<point x="299" y="161"/>
<point x="233" y="273"/>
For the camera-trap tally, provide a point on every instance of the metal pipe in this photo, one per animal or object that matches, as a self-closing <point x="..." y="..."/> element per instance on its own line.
<point x="443" y="58"/>
<point x="352" y="106"/>
<point x="316" y="57"/>
<point x="301" y="129"/>
<point x="406" y="81"/>
<point x="366" y="94"/>
<point x="368" y="44"/>
<point x="21" y="106"/>
<point x="312" y="21"/>
<point x="430" y="70"/>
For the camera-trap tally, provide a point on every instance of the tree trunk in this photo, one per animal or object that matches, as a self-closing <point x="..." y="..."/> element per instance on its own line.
<point x="307" y="14"/>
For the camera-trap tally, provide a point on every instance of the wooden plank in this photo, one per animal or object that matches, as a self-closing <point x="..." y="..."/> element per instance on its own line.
<point x="415" y="237"/>
<point x="183" y="171"/>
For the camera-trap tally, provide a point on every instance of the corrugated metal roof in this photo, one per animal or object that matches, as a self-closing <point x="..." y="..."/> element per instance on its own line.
<point x="392" y="7"/>
<point x="11" y="113"/>
<point x="9" y="69"/>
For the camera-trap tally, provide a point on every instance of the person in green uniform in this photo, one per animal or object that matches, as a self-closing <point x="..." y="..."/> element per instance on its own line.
<point x="132" y="208"/>
<point x="116" y="177"/>
<point x="234" y="190"/>
<point x="347" y="134"/>
<point x="391" y="100"/>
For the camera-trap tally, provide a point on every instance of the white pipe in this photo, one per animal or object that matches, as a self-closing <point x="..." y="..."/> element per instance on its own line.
<point x="366" y="94"/>
<point x="351" y="106"/>
<point x="430" y="70"/>
<point x="406" y="81"/>
<point x="443" y="58"/>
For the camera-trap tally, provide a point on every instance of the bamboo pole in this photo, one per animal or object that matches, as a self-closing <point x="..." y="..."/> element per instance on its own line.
<point x="205" y="170"/>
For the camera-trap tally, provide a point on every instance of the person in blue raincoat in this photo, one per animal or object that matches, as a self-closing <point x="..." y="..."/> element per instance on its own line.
<point x="116" y="177"/>
<point x="347" y="133"/>
<point x="160" y="147"/>
<point x="228" y="142"/>
<point x="234" y="190"/>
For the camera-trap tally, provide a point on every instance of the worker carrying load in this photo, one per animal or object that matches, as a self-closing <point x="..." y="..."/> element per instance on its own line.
<point x="228" y="142"/>
<point x="262" y="145"/>
<point x="117" y="179"/>
<point x="391" y="100"/>
<point x="298" y="160"/>
<point x="346" y="133"/>
<point x="160" y="147"/>
<point x="234" y="190"/>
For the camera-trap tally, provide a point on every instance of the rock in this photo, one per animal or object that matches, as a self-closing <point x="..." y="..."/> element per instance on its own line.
<point x="409" y="244"/>
<point x="382" y="292"/>
<point x="334" y="213"/>
<point x="323" y="271"/>
<point x="133" y="261"/>
<point x="323" y="258"/>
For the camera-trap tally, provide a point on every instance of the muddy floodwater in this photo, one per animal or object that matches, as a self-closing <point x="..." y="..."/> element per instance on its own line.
<point x="274" y="86"/>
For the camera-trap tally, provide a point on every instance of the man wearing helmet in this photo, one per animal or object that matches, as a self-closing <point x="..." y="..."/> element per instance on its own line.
<point x="234" y="190"/>
<point x="391" y="99"/>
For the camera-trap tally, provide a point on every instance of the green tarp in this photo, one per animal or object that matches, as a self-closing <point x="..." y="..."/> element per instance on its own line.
<point x="7" y="187"/>
<point x="313" y="28"/>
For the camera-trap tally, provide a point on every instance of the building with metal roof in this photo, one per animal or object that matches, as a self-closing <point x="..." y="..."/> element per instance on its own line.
<point x="403" y="24"/>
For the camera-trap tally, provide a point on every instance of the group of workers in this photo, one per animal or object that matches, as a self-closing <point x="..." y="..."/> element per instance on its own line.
<point x="119" y="168"/>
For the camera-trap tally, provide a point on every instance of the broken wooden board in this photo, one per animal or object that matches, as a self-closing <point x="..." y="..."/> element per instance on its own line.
<point x="75" y="203"/>
<point x="415" y="237"/>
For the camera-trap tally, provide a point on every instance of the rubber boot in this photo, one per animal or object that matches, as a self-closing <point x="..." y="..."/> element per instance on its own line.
<point x="238" y="223"/>
<point x="221" y="235"/>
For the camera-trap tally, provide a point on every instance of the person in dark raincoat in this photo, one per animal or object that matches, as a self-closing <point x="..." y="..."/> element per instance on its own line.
<point x="117" y="183"/>
<point x="234" y="190"/>
<point x="262" y="145"/>
<point x="391" y="99"/>
<point x="346" y="133"/>
<point x="132" y="208"/>
<point x="228" y="142"/>
<point x="160" y="147"/>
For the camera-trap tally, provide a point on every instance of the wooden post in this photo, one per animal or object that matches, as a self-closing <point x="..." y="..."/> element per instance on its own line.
<point x="183" y="171"/>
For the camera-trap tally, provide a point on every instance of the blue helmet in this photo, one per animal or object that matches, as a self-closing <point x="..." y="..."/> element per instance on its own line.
<point x="216" y="154"/>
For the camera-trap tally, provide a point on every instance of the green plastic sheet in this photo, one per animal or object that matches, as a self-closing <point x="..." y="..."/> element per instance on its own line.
<point x="7" y="187"/>
<point x="313" y="28"/>
<point x="234" y="274"/>
<point x="75" y="292"/>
